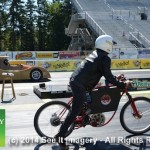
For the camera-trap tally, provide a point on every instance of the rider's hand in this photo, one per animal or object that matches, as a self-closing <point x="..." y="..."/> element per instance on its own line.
<point x="128" y="83"/>
<point x="120" y="77"/>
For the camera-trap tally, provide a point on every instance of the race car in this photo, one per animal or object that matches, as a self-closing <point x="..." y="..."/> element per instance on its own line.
<point x="23" y="72"/>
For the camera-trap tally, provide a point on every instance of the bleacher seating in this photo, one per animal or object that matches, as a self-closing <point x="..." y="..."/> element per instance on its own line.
<point x="118" y="18"/>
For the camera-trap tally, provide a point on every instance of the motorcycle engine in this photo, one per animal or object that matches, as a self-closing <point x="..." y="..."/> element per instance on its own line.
<point x="97" y="120"/>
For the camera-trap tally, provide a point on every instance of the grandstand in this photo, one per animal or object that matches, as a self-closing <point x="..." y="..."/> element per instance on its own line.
<point x="127" y="21"/>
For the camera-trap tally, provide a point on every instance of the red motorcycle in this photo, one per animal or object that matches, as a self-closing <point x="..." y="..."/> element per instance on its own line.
<point x="134" y="115"/>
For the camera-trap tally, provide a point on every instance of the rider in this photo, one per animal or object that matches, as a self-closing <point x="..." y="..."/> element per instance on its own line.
<point x="86" y="76"/>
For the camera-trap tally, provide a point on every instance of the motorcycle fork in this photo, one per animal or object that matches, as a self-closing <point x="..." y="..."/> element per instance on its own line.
<point x="135" y="112"/>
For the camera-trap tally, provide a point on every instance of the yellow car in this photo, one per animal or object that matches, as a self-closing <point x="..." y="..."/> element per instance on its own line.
<point x="23" y="72"/>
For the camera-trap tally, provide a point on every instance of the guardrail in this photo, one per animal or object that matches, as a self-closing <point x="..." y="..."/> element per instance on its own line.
<point x="96" y="28"/>
<point x="129" y="25"/>
<point x="99" y="31"/>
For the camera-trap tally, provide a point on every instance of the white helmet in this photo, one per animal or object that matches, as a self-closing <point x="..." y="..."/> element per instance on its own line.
<point x="105" y="43"/>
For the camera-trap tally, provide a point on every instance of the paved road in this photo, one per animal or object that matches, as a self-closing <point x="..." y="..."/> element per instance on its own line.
<point x="20" y="113"/>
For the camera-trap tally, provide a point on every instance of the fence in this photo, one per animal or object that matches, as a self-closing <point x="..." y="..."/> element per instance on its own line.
<point x="69" y="60"/>
<point x="118" y="53"/>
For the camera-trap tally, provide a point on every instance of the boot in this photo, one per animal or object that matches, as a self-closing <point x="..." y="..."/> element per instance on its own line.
<point x="61" y="141"/>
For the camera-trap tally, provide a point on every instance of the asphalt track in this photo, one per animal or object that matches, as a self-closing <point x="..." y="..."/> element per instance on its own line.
<point x="20" y="114"/>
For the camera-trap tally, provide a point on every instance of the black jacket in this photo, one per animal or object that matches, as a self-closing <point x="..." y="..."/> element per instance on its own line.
<point x="90" y="71"/>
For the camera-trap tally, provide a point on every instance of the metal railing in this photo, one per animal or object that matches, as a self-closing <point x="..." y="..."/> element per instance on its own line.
<point x="130" y="25"/>
<point x="97" y="29"/>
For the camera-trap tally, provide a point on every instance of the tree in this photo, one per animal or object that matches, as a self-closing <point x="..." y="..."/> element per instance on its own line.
<point x="66" y="11"/>
<point x="57" y="40"/>
<point x="30" y="25"/>
<point x="26" y="26"/>
<point x="42" y="23"/>
<point x="3" y="24"/>
<point x="17" y="24"/>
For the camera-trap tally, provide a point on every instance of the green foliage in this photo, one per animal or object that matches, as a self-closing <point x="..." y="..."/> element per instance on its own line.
<point x="28" y="26"/>
<point x="29" y="37"/>
<point x="56" y="28"/>
<point x="2" y="24"/>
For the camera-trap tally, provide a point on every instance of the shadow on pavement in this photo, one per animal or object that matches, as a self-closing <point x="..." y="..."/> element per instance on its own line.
<point x="141" y="141"/>
<point x="99" y="145"/>
<point x="7" y="101"/>
<point x="132" y="142"/>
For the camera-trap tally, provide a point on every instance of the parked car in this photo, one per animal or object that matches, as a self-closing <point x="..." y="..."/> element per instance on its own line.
<point x="23" y="72"/>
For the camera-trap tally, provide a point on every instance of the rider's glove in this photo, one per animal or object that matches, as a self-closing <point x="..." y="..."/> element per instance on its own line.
<point x="128" y="83"/>
<point x="120" y="77"/>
